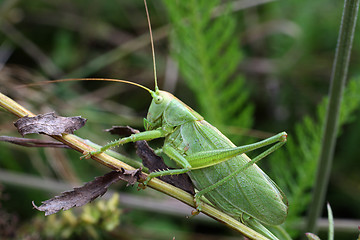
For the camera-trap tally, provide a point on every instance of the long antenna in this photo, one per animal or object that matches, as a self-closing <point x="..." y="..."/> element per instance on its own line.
<point x="152" y="46"/>
<point x="87" y="79"/>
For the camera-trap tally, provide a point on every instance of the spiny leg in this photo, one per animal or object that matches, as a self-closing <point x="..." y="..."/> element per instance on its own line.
<point x="165" y="173"/>
<point x="212" y="157"/>
<point x="148" y="135"/>
<point x="199" y="194"/>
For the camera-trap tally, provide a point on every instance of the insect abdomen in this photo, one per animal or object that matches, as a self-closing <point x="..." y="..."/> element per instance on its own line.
<point x="251" y="191"/>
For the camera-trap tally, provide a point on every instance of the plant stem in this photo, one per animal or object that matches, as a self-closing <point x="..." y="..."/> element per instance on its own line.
<point x="338" y="80"/>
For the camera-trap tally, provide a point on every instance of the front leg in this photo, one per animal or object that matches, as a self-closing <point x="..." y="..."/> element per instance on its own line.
<point x="148" y="135"/>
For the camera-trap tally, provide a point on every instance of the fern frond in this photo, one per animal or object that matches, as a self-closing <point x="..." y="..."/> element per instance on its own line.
<point x="295" y="165"/>
<point x="208" y="55"/>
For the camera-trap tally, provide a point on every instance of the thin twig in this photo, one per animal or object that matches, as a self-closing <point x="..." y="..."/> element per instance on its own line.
<point x="26" y="142"/>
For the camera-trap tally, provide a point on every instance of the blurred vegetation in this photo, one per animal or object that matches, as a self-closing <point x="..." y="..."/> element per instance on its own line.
<point x="252" y="70"/>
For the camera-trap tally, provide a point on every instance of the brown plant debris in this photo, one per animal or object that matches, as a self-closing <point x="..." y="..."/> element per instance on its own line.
<point x="49" y="123"/>
<point x="87" y="193"/>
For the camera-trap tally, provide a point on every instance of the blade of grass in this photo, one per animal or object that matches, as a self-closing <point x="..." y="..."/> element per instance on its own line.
<point x="337" y="84"/>
<point x="331" y="223"/>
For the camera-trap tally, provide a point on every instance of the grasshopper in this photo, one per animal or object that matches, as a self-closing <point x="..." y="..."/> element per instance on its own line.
<point x="221" y="172"/>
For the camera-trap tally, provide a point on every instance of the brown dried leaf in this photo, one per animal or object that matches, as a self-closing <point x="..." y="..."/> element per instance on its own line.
<point x="49" y="124"/>
<point x="85" y="194"/>
<point x="123" y="131"/>
<point x="153" y="162"/>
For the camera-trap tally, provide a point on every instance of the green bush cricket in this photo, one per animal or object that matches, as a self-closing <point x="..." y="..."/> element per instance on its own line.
<point x="220" y="171"/>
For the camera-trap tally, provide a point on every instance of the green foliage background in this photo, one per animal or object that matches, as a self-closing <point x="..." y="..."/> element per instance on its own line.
<point x="251" y="68"/>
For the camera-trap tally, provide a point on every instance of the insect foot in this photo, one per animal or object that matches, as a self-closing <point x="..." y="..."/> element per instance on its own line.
<point x="147" y="180"/>
<point x="86" y="155"/>
<point x="141" y="182"/>
<point x="141" y="186"/>
<point x="89" y="154"/>
<point x="197" y="202"/>
<point x="195" y="212"/>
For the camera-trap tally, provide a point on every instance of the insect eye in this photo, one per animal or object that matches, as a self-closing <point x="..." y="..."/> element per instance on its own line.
<point x="158" y="99"/>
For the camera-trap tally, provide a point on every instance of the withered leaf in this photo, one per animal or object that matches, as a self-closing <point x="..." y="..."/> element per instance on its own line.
<point x="28" y="142"/>
<point x="153" y="162"/>
<point x="49" y="124"/>
<point x="123" y="131"/>
<point x="85" y="194"/>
